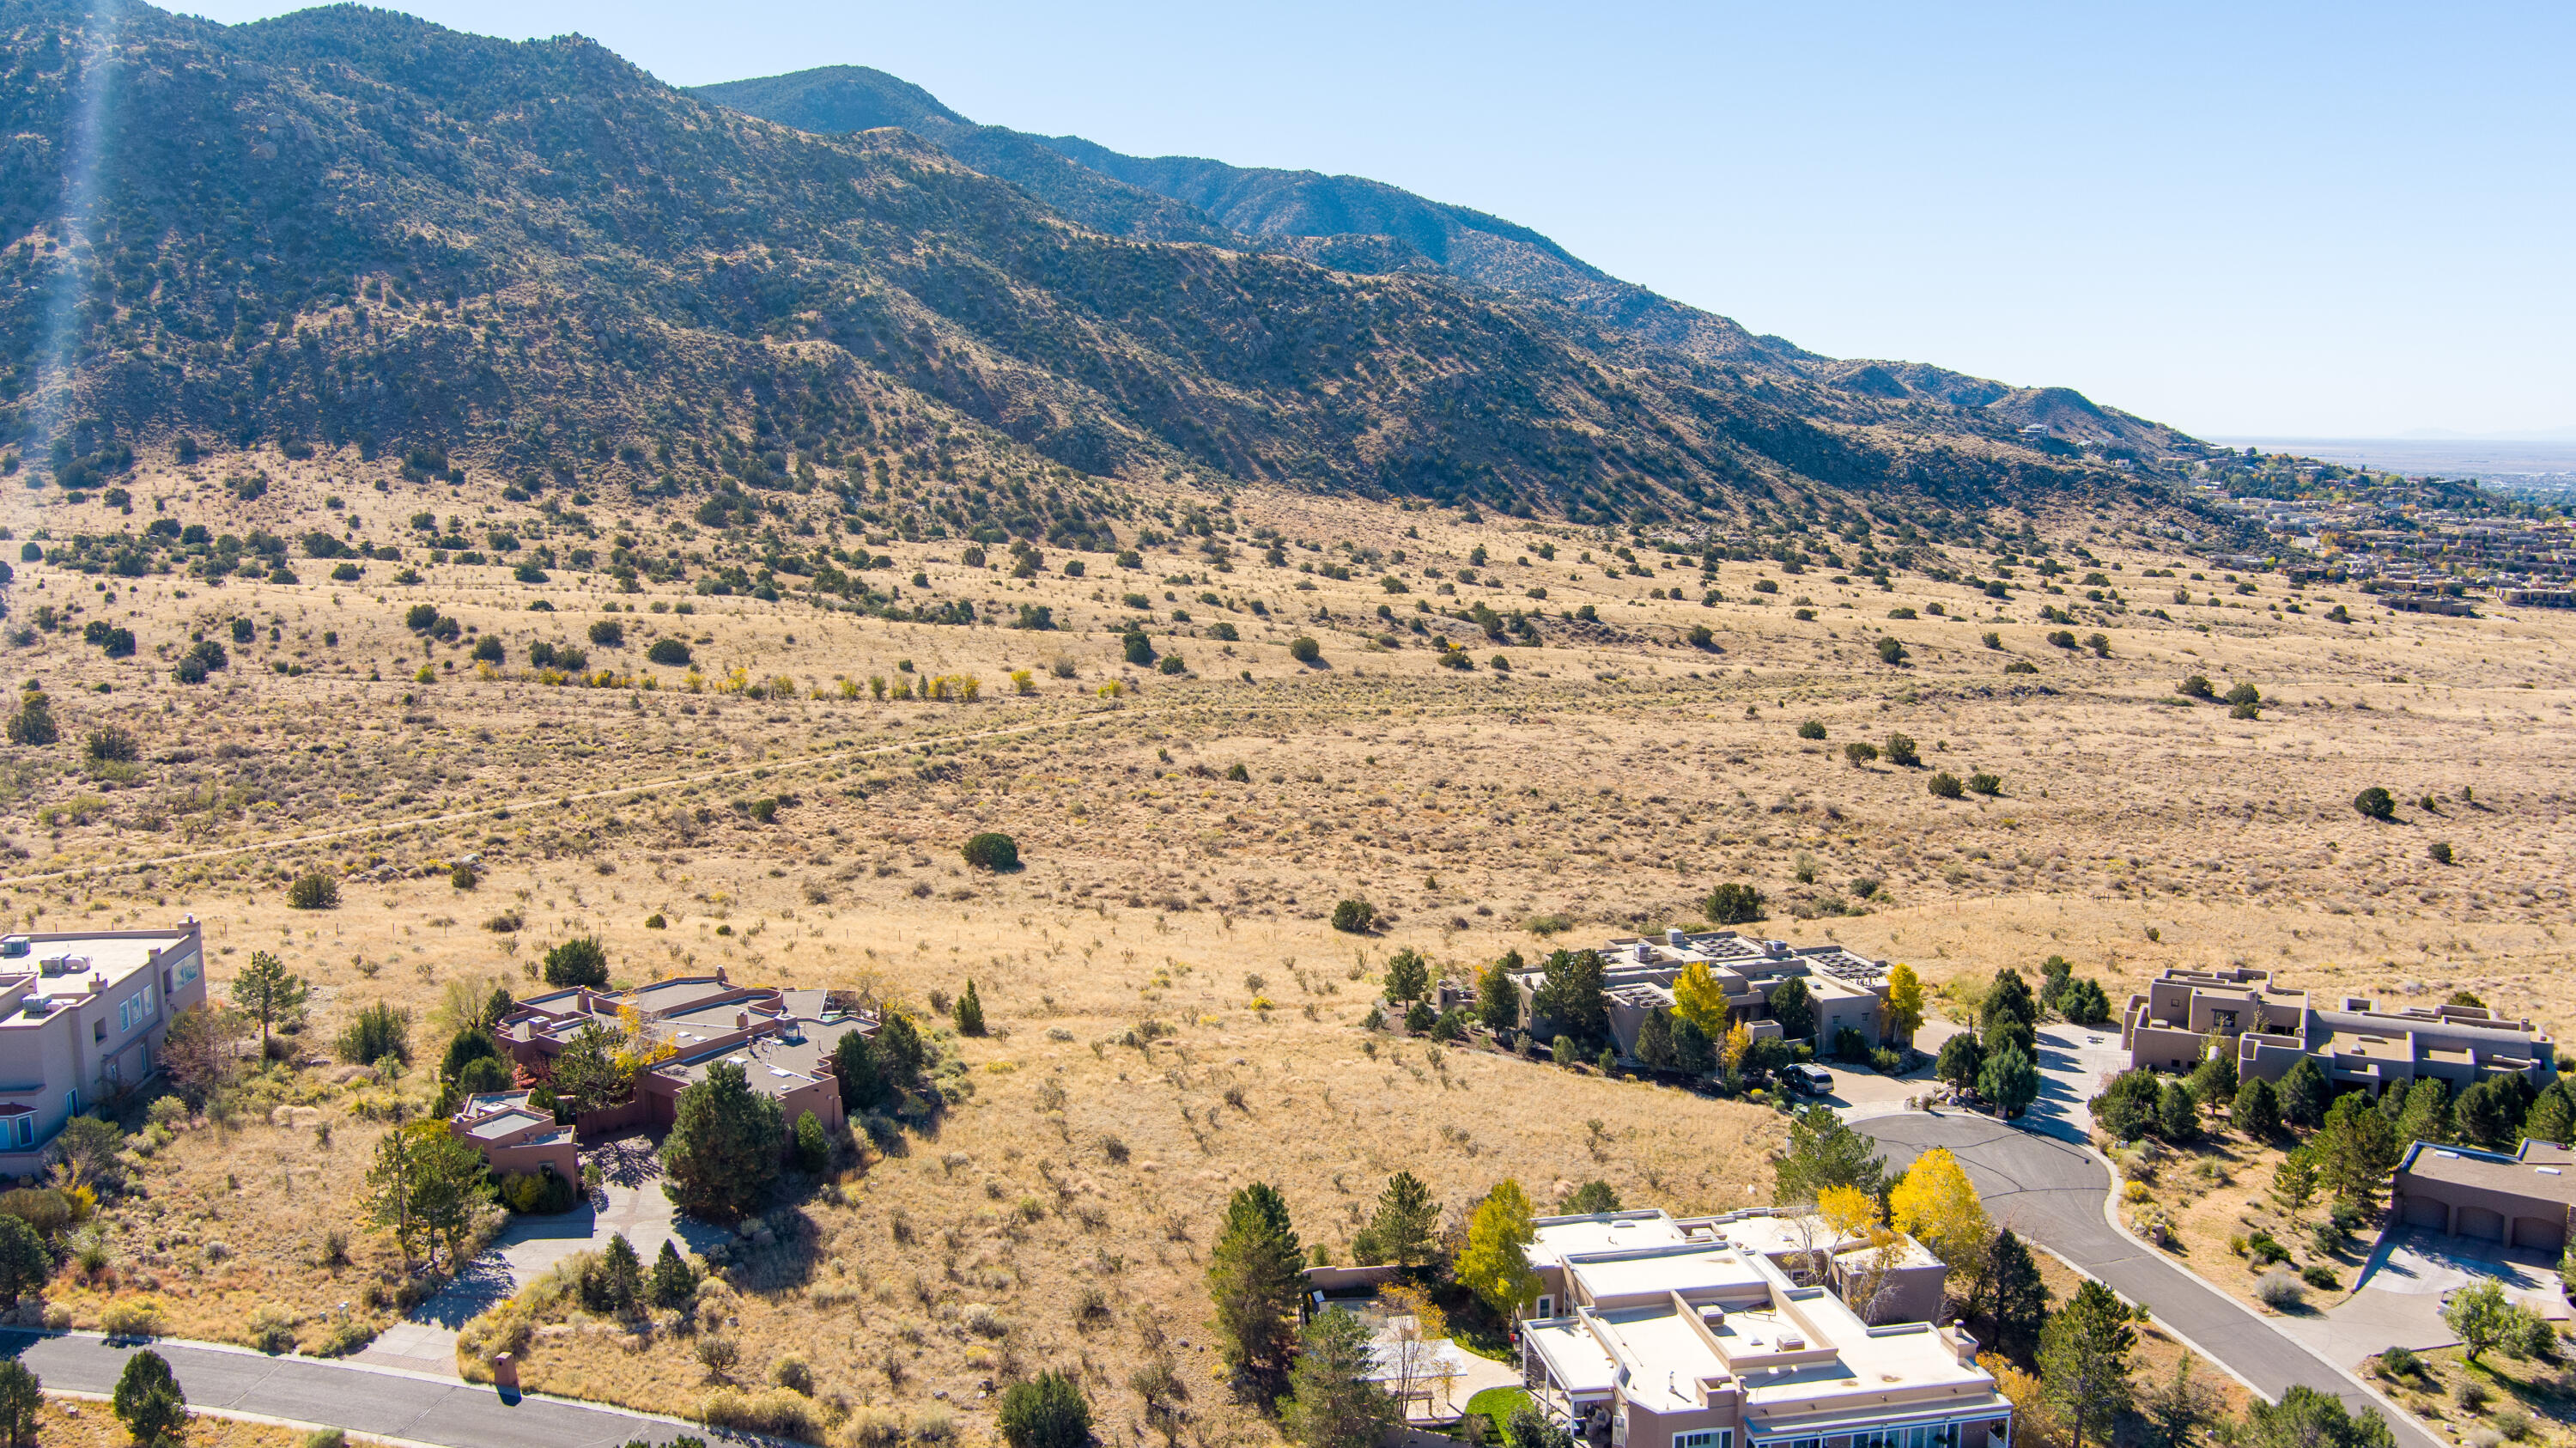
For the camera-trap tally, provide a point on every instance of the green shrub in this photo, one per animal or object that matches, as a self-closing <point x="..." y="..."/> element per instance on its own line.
<point x="1945" y="785"/>
<point x="111" y="745"/>
<point x="2375" y="803"/>
<point x="315" y="891"/>
<point x="2440" y="851"/>
<point x="1901" y="752"/>
<point x="378" y="1031"/>
<point x="1354" y="917"/>
<point x="1733" y="903"/>
<point x="813" y="1146"/>
<point x="1860" y="752"/>
<point x="581" y="960"/>
<point x="1811" y="730"/>
<point x="1890" y="652"/>
<point x="670" y="653"/>
<point x="992" y="851"/>
<point x="1305" y="650"/>
<point x="1983" y="783"/>
<point x="1047" y="1411"/>
<point x="2320" y="1276"/>
<point x="608" y="633"/>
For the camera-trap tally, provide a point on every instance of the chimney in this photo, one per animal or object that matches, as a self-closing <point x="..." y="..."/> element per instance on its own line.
<point x="97" y="983"/>
<point x="720" y="976"/>
<point x="742" y="1020"/>
<point x="1677" y="938"/>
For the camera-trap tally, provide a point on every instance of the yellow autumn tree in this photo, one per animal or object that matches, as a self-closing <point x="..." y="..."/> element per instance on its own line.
<point x="1739" y="1039"/>
<point x="1700" y="1000"/>
<point x="1493" y="1266"/>
<point x="1850" y="1211"/>
<point x="1937" y="1205"/>
<point x="1904" y="1011"/>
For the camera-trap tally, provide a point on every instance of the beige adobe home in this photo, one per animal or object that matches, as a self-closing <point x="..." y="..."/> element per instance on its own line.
<point x="2172" y="1024"/>
<point x="782" y="1039"/>
<point x="1637" y="975"/>
<point x="2520" y="1200"/>
<point x="1722" y="1332"/>
<point x="82" y="1018"/>
<point x="517" y="1139"/>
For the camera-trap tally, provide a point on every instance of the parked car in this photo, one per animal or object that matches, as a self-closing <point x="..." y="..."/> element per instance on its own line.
<point x="1808" y="1077"/>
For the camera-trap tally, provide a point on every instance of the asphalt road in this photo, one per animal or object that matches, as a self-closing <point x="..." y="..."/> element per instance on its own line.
<point x="340" y="1395"/>
<point x="2051" y="1192"/>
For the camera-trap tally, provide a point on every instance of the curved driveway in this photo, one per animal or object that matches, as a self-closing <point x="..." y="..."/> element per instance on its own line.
<point x="2052" y="1192"/>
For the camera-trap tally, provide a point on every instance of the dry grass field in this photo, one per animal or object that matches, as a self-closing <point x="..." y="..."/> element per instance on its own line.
<point x="1608" y="776"/>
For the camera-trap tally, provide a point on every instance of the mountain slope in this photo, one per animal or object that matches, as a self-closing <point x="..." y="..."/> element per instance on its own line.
<point x="1355" y="224"/>
<point x="348" y="226"/>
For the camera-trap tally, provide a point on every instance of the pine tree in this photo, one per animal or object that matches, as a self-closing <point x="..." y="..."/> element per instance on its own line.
<point x="1960" y="1060"/>
<point x="1794" y="1007"/>
<point x="2257" y="1112"/>
<point x="2008" y="1079"/>
<point x="2427" y="1112"/>
<point x="2009" y="1014"/>
<point x="862" y="1079"/>
<point x="22" y="1400"/>
<point x="2356" y="1148"/>
<point x="621" y="1273"/>
<point x="2013" y="1299"/>
<point x="1823" y="1152"/>
<point x="1408" y="976"/>
<point x="1333" y="1401"/>
<point x="675" y="1283"/>
<point x="148" y="1401"/>
<point x="2084" y="1362"/>
<point x="970" y="1012"/>
<point x="1655" y="1040"/>
<point x="1407" y="1215"/>
<point x="2552" y="1118"/>
<point x="1571" y="996"/>
<point x="2178" y="1114"/>
<point x="1498" y="1000"/>
<point x="2302" y="1090"/>
<point x="269" y="994"/>
<point x="724" y="1145"/>
<point x="1255" y="1278"/>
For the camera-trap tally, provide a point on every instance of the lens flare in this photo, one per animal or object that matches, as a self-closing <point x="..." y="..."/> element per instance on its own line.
<point x="57" y="359"/>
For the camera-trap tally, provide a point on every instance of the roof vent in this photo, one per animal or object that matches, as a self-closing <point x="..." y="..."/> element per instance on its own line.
<point x="1677" y="938"/>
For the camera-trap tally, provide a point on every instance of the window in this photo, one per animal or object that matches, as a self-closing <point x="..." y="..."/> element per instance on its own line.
<point x="26" y="1131"/>
<point x="188" y="971"/>
<point x="1711" y="1438"/>
<point x="71" y="1102"/>
<point x="1547" y="1307"/>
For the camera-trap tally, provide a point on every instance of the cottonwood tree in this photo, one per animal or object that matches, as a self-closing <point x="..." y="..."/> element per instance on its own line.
<point x="1493" y="1266"/>
<point x="1904" y="1012"/>
<point x="1937" y="1205"/>
<point x="2084" y="1362"/>
<point x="1255" y="1280"/>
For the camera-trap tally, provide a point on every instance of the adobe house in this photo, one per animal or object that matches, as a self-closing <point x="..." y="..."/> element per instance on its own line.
<point x="1637" y="976"/>
<point x="2173" y="1023"/>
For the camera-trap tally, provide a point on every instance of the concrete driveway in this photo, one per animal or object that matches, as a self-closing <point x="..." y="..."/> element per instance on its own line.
<point x="2399" y="1298"/>
<point x="630" y="1201"/>
<point x="2052" y="1191"/>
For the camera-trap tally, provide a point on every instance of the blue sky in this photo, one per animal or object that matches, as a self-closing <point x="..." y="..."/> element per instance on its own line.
<point x="2282" y="220"/>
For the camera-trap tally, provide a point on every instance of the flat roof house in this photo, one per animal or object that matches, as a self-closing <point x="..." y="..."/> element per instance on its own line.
<point x="514" y="1137"/>
<point x="1638" y="973"/>
<point x="2521" y="1200"/>
<point x="782" y="1039"/>
<point x="2171" y="1024"/>
<point x="83" y="1015"/>
<point x="1717" y="1332"/>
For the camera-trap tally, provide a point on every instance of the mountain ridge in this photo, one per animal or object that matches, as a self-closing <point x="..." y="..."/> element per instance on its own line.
<point x="348" y="227"/>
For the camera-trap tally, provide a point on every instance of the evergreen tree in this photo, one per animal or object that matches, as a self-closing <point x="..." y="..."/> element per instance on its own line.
<point x="2009" y="1014"/>
<point x="675" y="1283"/>
<point x="578" y="961"/>
<point x="267" y="993"/>
<point x="970" y="1012"/>
<point x="1408" y="976"/>
<point x="1407" y="1216"/>
<point x="813" y="1144"/>
<point x="2178" y="1114"/>
<point x="1591" y="1197"/>
<point x="22" y="1401"/>
<point x="2085" y="1003"/>
<point x="24" y="1262"/>
<point x="2014" y="1301"/>
<point x="2213" y="1081"/>
<point x="621" y="1274"/>
<point x="1794" y="1007"/>
<point x="2055" y="973"/>
<point x="1333" y="1399"/>
<point x="862" y="1079"/>
<point x="1655" y="1040"/>
<point x="2490" y="1113"/>
<point x="724" y="1145"/>
<point x="1823" y="1152"/>
<point x="1498" y="1000"/>
<point x="2294" y="1181"/>
<point x="2127" y="1107"/>
<point x="2084" y="1362"/>
<point x="2302" y="1090"/>
<point x="1572" y="999"/>
<point x="148" y="1401"/>
<point x="1693" y="1051"/>
<point x="1959" y="1062"/>
<point x="2257" y="1112"/>
<point x="1254" y="1277"/>
<point x="2552" y="1117"/>
<point x="2307" y="1418"/>
<point x="2009" y="1080"/>
<point x="2356" y="1148"/>
<point x="901" y="1055"/>
<point x="2426" y="1115"/>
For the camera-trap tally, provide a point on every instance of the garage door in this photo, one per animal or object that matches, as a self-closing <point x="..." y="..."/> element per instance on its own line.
<point x="2479" y="1222"/>
<point x="2539" y="1232"/>
<point x="2426" y="1212"/>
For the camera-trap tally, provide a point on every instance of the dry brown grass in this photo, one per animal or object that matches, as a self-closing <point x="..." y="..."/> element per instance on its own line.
<point x="1612" y="776"/>
<point x="88" y="1423"/>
